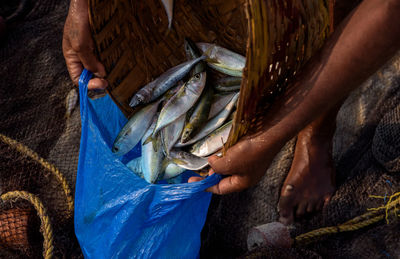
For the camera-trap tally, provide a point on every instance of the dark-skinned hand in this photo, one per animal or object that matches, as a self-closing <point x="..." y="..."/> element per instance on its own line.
<point x="78" y="46"/>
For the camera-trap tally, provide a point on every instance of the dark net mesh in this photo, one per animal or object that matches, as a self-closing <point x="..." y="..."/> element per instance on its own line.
<point x="33" y="92"/>
<point x="366" y="152"/>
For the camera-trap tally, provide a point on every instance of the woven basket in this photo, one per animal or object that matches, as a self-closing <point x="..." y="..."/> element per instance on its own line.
<point x="277" y="37"/>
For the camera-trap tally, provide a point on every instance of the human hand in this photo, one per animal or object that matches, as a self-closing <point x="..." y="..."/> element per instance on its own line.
<point x="78" y="46"/>
<point x="244" y="164"/>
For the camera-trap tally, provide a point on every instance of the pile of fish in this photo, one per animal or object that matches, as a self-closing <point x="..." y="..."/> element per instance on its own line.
<point x="181" y="123"/>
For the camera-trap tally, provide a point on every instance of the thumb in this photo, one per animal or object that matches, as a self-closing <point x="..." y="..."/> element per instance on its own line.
<point x="221" y="165"/>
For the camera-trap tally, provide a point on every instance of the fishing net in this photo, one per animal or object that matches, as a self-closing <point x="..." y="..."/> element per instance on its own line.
<point x="366" y="153"/>
<point x="33" y="90"/>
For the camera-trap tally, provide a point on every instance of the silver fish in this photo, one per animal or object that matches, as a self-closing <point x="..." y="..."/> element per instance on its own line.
<point x="233" y="88"/>
<point x="173" y="170"/>
<point x="152" y="159"/>
<point x="199" y="116"/>
<point x="70" y="102"/>
<point x="171" y="133"/>
<point x="192" y="52"/>
<point x="213" y="142"/>
<point x="187" y="160"/>
<point x="156" y="88"/>
<point x="223" y="60"/>
<point x="220" y="101"/>
<point x="181" y="102"/>
<point x="134" y="129"/>
<point x="227" y="84"/>
<point x="135" y="165"/>
<point x="212" y="124"/>
<point x="169" y="9"/>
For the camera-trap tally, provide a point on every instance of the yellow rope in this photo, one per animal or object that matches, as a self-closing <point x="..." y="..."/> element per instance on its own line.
<point x="47" y="230"/>
<point x="59" y="176"/>
<point x="375" y="215"/>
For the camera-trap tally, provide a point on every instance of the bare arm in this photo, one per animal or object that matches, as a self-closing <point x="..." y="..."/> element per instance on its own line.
<point x="368" y="38"/>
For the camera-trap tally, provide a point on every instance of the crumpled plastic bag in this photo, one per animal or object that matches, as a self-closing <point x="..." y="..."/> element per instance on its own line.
<point x="118" y="214"/>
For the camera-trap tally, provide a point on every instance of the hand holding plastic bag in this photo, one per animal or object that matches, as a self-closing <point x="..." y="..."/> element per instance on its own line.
<point x="119" y="215"/>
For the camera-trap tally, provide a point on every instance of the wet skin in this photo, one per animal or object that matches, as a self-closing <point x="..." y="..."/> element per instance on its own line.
<point x="364" y="41"/>
<point x="368" y="37"/>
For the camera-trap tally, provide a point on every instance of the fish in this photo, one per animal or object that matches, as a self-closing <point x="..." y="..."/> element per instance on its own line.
<point x="212" y="124"/>
<point x="181" y="102"/>
<point x="219" y="102"/>
<point x="187" y="161"/>
<point x="213" y="142"/>
<point x="233" y="88"/>
<point x="152" y="159"/>
<point x="70" y="102"/>
<point x="169" y="9"/>
<point x="171" y="133"/>
<point x="227" y="84"/>
<point x="199" y="116"/>
<point x="172" y="170"/>
<point x="222" y="59"/>
<point x="192" y="52"/>
<point x="135" y="165"/>
<point x="163" y="83"/>
<point x="133" y="131"/>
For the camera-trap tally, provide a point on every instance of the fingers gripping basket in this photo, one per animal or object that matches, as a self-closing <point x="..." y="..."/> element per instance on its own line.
<point x="278" y="37"/>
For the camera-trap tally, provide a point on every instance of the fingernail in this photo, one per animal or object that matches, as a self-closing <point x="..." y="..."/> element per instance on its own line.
<point x="289" y="187"/>
<point x="99" y="83"/>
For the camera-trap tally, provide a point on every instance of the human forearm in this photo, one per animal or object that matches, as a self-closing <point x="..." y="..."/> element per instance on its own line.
<point x="363" y="42"/>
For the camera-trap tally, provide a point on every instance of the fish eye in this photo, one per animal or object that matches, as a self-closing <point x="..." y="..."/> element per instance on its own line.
<point x="116" y="149"/>
<point x="197" y="76"/>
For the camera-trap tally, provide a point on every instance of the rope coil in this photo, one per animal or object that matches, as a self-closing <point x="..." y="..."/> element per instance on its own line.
<point x="46" y="228"/>
<point x="50" y="167"/>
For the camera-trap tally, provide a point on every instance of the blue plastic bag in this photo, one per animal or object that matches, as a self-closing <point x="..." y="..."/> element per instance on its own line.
<point x="119" y="215"/>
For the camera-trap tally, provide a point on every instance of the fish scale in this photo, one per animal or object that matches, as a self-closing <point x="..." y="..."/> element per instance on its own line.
<point x="159" y="86"/>
<point x="181" y="102"/>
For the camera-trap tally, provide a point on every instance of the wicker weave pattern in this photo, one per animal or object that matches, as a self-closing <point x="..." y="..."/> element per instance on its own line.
<point x="277" y="37"/>
<point x="14" y="227"/>
<point x="283" y="35"/>
<point x="135" y="45"/>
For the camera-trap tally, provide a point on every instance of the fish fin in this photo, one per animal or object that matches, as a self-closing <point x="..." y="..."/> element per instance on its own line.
<point x="165" y="164"/>
<point x="178" y="161"/>
<point x="148" y="140"/>
<point x="207" y="52"/>
<point x="212" y="61"/>
<point x="154" y="143"/>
